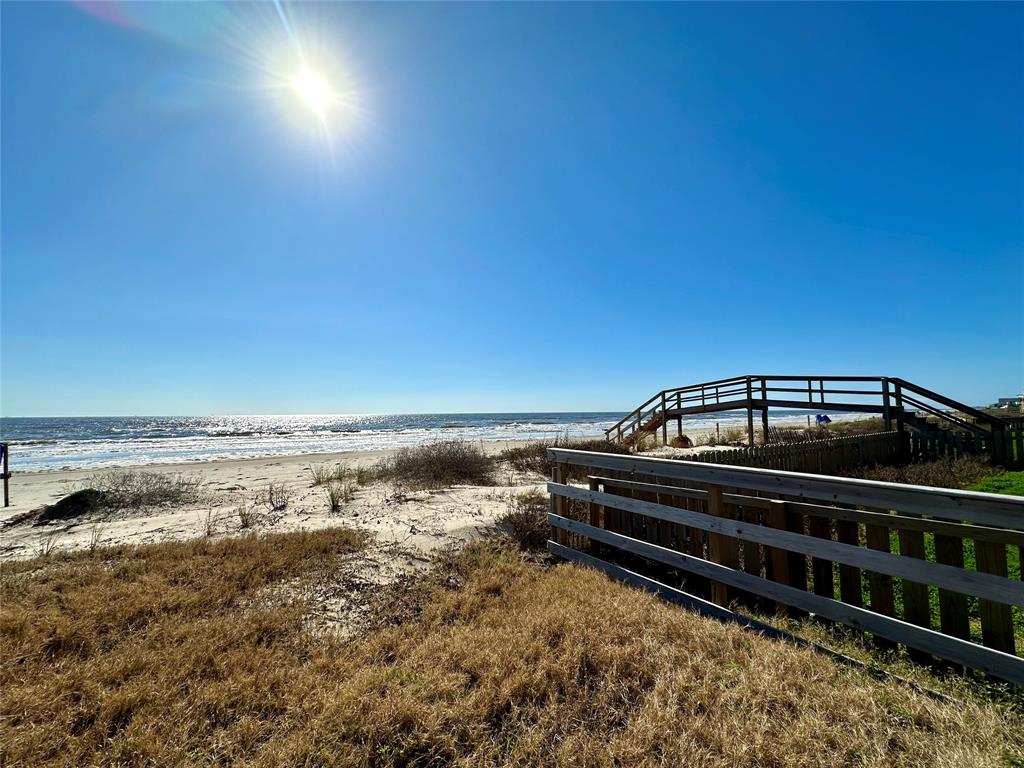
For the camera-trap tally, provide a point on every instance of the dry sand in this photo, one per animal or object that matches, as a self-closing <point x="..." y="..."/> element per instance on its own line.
<point x="417" y="523"/>
<point x="406" y="529"/>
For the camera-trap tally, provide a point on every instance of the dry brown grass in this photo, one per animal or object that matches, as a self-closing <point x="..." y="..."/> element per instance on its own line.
<point x="187" y="654"/>
<point x="533" y="457"/>
<point x="441" y="464"/>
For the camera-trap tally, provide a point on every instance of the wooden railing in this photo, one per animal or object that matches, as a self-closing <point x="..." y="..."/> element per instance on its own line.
<point x="923" y="567"/>
<point x="896" y="400"/>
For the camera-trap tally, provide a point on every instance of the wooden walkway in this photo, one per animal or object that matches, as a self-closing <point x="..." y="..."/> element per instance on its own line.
<point x="926" y="568"/>
<point x="903" y="406"/>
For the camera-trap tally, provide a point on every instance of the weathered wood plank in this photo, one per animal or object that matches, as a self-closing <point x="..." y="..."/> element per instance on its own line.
<point x="954" y="618"/>
<point x="721" y="549"/>
<point x="558" y="504"/>
<point x="777" y="563"/>
<point x="975" y="583"/>
<point x="972" y="506"/>
<point x="996" y="619"/>
<point x="925" y="525"/>
<point x="916" y="606"/>
<point x="849" y="576"/>
<point x="821" y="568"/>
<point x="879" y="583"/>
<point x="998" y="663"/>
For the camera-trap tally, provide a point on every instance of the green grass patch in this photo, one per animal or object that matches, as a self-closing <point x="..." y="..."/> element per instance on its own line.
<point x="1011" y="483"/>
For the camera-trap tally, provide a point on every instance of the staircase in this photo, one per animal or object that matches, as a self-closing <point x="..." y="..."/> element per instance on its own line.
<point x="903" y="405"/>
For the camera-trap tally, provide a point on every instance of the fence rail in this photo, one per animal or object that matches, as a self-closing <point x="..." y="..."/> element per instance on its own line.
<point x="924" y="567"/>
<point x="815" y="456"/>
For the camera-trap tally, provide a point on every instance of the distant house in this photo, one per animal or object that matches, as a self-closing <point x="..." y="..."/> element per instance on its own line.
<point x="1009" y="402"/>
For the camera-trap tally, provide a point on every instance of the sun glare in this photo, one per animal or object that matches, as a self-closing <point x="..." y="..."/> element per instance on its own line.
<point x="313" y="90"/>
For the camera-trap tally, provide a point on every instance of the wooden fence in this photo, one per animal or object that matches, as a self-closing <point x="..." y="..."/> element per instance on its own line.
<point x="838" y="453"/>
<point x="816" y="456"/>
<point x="1005" y="447"/>
<point x="922" y="567"/>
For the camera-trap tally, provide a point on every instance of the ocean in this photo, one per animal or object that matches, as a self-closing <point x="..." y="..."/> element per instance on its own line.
<point x="82" y="442"/>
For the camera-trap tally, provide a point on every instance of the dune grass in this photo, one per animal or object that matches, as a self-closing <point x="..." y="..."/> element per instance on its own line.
<point x="441" y="464"/>
<point x="198" y="653"/>
<point x="525" y="521"/>
<point x="533" y="457"/>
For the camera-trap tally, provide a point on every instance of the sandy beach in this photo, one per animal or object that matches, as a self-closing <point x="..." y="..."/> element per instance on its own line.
<point x="417" y="522"/>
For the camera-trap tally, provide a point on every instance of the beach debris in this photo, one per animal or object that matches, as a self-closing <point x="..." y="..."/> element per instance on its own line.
<point x="78" y="504"/>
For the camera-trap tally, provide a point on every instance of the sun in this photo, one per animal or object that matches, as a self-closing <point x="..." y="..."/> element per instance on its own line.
<point x="313" y="90"/>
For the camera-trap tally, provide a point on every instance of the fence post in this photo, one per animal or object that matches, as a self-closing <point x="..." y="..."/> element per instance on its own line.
<point x="886" y="413"/>
<point x="664" y="420"/>
<point x="5" y="449"/>
<point x="723" y="550"/>
<point x="559" y="504"/>
<point x="996" y="618"/>
<point x="777" y="560"/>
<point x="880" y="584"/>
<point x="916" y="606"/>
<point x="750" y="413"/>
<point x="954" y="619"/>
<point x="848" y="532"/>
<point x="596" y="514"/>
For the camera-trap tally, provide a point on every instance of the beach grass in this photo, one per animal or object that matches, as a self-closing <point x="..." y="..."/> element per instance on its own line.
<point x="440" y="464"/>
<point x="137" y="489"/>
<point x="525" y="521"/>
<point x="200" y="653"/>
<point x="533" y="457"/>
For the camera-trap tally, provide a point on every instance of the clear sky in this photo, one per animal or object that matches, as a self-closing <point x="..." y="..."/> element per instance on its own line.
<point x="506" y="207"/>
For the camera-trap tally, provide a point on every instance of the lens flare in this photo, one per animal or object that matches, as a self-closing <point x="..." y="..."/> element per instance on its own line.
<point x="313" y="91"/>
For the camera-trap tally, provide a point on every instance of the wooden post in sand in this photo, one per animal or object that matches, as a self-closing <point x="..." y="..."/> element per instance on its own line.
<point x="4" y="450"/>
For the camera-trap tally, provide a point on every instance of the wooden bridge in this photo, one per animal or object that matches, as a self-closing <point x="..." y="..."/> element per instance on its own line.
<point x="902" y="405"/>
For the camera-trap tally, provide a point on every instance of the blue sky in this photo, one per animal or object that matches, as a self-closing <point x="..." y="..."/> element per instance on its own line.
<point x="520" y="207"/>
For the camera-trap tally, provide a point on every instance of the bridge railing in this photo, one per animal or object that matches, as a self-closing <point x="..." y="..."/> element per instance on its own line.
<point x="896" y="400"/>
<point x="932" y="569"/>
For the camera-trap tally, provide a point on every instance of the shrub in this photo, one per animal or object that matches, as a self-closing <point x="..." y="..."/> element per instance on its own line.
<point x="525" y="521"/>
<point x="275" y="497"/>
<point x="640" y="442"/>
<point x="133" y="489"/>
<point x="533" y="457"/>
<point x="440" y="464"/>
<point x="727" y="436"/>
<point x="849" y="427"/>
<point x="942" y="473"/>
